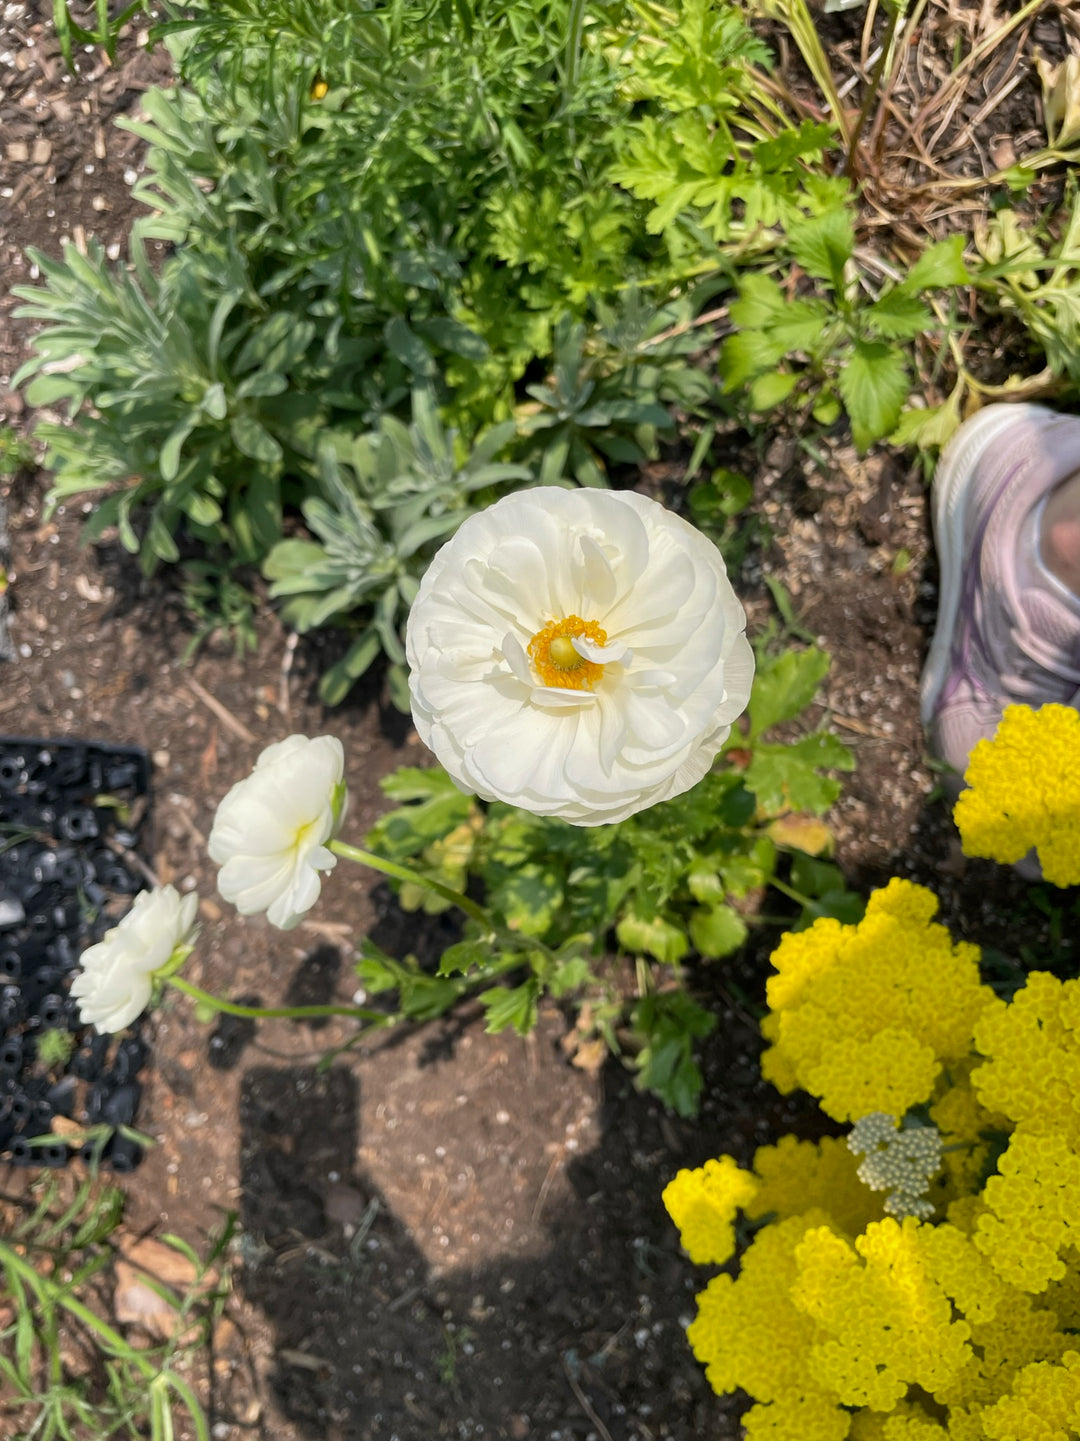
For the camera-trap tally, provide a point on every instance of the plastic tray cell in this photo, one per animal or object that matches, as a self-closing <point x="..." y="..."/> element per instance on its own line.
<point x="74" y="830"/>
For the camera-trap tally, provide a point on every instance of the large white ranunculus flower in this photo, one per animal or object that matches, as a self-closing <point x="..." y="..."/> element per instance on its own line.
<point x="116" y="976"/>
<point x="579" y="653"/>
<point x="270" y="832"/>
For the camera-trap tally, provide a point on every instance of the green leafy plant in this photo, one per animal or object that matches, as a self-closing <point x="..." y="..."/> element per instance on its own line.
<point x="712" y="149"/>
<point x="585" y="420"/>
<point x="834" y="347"/>
<point x="106" y="32"/>
<point x="54" y="1258"/>
<point x="1037" y="280"/>
<point x="177" y="438"/>
<point x="16" y="453"/>
<point x="386" y="499"/>
<point x="683" y="878"/>
<point x="218" y="602"/>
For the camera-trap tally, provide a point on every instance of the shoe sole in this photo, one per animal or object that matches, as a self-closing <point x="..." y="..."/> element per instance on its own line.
<point x="955" y="469"/>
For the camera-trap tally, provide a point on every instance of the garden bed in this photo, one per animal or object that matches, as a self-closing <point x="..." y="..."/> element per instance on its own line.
<point x="448" y="1234"/>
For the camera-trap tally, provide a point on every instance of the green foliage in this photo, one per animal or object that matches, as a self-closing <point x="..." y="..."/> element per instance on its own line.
<point x="16" y="453"/>
<point x="1037" y="279"/>
<point x="183" y="433"/>
<point x="685" y="877"/>
<point x="106" y="32"/>
<point x="711" y="149"/>
<point x="386" y="500"/>
<point x="54" y="1048"/>
<point x="434" y="177"/>
<point x="580" y="415"/>
<point x="359" y="206"/>
<point x="833" y="345"/>
<point x="54" y="1262"/>
<point x="216" y="602"/>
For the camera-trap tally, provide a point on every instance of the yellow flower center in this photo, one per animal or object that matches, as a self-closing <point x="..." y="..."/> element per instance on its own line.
<point x="555" y="660"/>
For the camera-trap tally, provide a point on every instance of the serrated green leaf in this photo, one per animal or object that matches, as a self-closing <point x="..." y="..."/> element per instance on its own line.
<point x="874" y="383"/>
<point x="803" y="325"/>
<point x="926" y="428"/>
<point x="654" y="937"/>
<point x="938" y="266"/>
<point x="463" y="957"/>
<point x="784" y="686"/>
<point x="897" y="316"/>
<point x="760" y="301"/>
<point x="788" y="778"/>
<point x="511" y="1006"/>
<point x="824" y="244"/>
<point x="669" y="1025"/>
<point x="771" y="389"/>
<point x="746" y="355"/>
<point x="717" y="931"/>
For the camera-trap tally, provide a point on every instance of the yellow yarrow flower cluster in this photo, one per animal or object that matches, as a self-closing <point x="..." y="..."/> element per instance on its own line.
<point x="1044" y="1404"/>
<point x="1032" y="1045"/>
<point x="968" y="1132"/>
<point x="846" y="1325"/>
<point x="865" y="1016"/>
<point x="797" y="1176"/>
<point x="1024" y="792"/>
<point x="887" y="1323"/>
<point x="1033" y="1211"/>
<point x="748" y="1332"/>
<point x="703" y="1204"/>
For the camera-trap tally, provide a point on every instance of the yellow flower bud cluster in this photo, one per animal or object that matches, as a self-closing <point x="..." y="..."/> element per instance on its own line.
<point x="957" y="1318"/>
<point x="1024" y="792"/>
<point x="865" y="1016"/>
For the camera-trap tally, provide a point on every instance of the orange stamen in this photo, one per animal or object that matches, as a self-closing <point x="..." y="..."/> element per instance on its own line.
<point x="556" y="661"/>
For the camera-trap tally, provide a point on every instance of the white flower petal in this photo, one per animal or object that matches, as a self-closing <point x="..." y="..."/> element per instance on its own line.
<point x="552" y="697"/>
<point x="614" y="653"/>
<point x="114" y="982"/>
<point x="667" y="635"/>
<point x="270" y="830"/>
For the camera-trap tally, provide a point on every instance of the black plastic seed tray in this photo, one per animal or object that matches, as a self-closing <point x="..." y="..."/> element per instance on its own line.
<point x="74" y="822"/>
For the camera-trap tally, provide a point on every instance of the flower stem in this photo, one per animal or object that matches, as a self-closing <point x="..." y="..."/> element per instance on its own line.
<point x="298" y="1013"/>
<point x="792" y="894"/>
<point x="406" y="873"/>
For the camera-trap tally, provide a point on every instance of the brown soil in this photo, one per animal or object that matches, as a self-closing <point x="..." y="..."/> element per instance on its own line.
<point x="448" y="1234"/>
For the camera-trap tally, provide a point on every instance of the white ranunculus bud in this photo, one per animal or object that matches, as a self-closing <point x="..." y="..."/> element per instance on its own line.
<point x="578" y="653"/>
<point x="270" y="832"/>
<point x="116" y="976"/>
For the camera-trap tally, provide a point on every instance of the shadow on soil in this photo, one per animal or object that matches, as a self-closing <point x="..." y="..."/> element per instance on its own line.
<point x="582" y="1340"/>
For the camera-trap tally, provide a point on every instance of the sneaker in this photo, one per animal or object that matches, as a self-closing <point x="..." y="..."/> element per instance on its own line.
<point x="1008" y="631"/>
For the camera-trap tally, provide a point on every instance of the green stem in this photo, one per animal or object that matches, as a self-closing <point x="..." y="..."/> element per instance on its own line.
<point x="574" y="28"/>
<point x="58" y="1296"/>
<point x="792" y="893"/>
<point x="298" y="1013"/>
<point x="406" y="873"/>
